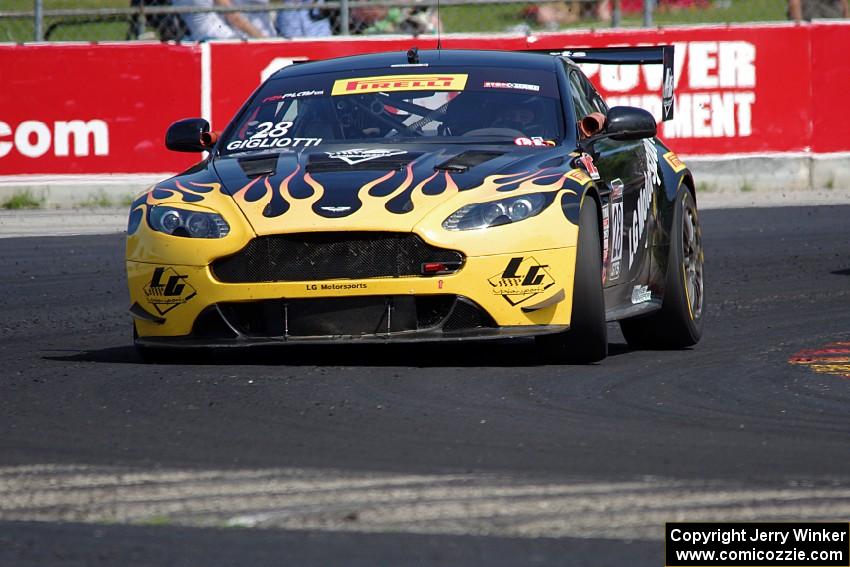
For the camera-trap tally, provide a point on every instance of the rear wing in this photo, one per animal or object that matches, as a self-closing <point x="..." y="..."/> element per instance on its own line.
<point x="661" y="54"/>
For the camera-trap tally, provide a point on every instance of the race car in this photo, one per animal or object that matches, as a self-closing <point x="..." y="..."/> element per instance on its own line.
<point x="423" y="196"/>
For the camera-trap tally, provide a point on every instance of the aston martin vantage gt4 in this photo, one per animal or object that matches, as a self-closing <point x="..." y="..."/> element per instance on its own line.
<point x="424" y="196"/>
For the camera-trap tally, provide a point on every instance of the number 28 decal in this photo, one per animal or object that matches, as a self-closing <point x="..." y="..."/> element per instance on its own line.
<point x="272" y="130"/>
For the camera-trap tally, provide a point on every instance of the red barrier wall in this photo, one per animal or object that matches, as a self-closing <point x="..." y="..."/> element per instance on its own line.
<point x="829" y="90"/>
<point x="94" y="108"/>
<point x="738" y="90"/>
<point x="104" y="108"/>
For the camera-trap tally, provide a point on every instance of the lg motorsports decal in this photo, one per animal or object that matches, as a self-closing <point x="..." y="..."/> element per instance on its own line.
<point x="168" y="289"/>
<point x="522" y="279"/>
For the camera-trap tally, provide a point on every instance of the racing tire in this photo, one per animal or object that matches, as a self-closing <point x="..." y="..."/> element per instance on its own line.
<point x="586" y="341"/>
<point x="679" y="322"/>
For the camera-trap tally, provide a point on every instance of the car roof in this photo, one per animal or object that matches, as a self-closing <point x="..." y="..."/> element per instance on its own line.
<point x="436" y="58"/>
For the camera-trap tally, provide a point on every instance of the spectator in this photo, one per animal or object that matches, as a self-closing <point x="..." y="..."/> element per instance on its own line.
<point x="313" y="22"/>
<point x="225" y="25"/>
<point x="366" y="17"/>
<point x="418" y="21"/>
<point x="167" y="27"/>
<point x="810" y="9"/>
<point x="260" y="21"/>
<point x="554" y="15"/>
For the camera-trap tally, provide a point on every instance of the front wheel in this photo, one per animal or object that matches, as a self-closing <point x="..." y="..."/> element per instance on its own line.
<point x="587" y="339"/>
<point x="679" y="322"/>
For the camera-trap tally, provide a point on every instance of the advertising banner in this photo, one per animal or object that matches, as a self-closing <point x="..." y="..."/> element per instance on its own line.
<point x="830" y="72"/>
<point x="94" y="108"/>
<point x="737" y="89"/>
<point x="104" y="108"/>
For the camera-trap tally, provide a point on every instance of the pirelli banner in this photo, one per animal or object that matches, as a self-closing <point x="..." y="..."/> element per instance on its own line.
<point x="103" y="108"/>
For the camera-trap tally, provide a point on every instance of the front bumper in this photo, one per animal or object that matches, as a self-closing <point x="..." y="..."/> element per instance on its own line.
<point x="515" y="295"/>
<point x="430" y="335"/>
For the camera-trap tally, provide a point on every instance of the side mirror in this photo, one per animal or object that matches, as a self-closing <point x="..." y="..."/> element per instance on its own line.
<point x="189" y="135"/>
<point x="630" y="123"/>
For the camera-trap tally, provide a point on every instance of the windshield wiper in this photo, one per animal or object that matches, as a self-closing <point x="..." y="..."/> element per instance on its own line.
<point x="254" y="154"/>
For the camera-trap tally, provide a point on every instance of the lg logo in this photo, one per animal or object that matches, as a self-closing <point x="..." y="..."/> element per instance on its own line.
<point x="168" y="289"/>
<point x="172" y="287"/>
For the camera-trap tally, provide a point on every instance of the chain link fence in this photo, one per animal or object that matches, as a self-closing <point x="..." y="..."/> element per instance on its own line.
<point x="115" y="20"/>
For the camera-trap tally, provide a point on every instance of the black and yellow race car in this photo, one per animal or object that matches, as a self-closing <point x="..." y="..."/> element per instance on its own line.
<point x="419" y="196"/>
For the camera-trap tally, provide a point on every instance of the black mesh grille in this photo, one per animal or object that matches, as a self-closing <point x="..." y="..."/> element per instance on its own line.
<point x="467" y="315"/>
<point x="327" y="256"/>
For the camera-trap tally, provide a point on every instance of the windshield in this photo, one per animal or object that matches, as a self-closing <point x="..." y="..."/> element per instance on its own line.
<point x="440" y="105"/>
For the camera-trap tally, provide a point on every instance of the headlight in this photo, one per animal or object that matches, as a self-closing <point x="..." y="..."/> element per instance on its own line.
<point x="190" y="224"/>
<point x="496" y="213"/>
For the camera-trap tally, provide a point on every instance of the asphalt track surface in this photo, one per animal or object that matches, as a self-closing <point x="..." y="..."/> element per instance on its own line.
<point x="473" y="454"/>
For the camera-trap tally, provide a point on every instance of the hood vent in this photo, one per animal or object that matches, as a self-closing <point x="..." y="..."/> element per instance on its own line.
<point x="323" y="163"/>
<point x="256" y="166"/>
<point x="462" y="163"/>
<point x="554" y="162"/>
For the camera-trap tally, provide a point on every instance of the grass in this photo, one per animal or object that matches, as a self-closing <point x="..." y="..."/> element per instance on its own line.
<point x="503" y="16"/>
<point x="97" y="200"/>
<point x="830" y="183"/>
<point x="21" y="29"/>
<point x="26" y="5"/>
<point x="746" y="187"/>
<point x="481" y="18"/>
<point x="23" y="200"/>
<point x="704" y="187"/>
<point x="728" y="12"/>
<point x="101" y="200"/>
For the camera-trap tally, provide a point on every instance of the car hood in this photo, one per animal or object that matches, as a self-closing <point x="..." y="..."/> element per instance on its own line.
<point x="346" y="187"/>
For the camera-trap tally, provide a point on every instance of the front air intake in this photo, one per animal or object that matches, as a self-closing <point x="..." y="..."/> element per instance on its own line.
<point x="332" y="255"/>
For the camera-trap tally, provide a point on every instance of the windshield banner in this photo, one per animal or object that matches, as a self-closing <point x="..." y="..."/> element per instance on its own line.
<point x="390" y="83"/>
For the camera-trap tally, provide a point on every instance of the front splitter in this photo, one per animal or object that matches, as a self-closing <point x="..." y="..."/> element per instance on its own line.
<point x="391" y="338"/>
